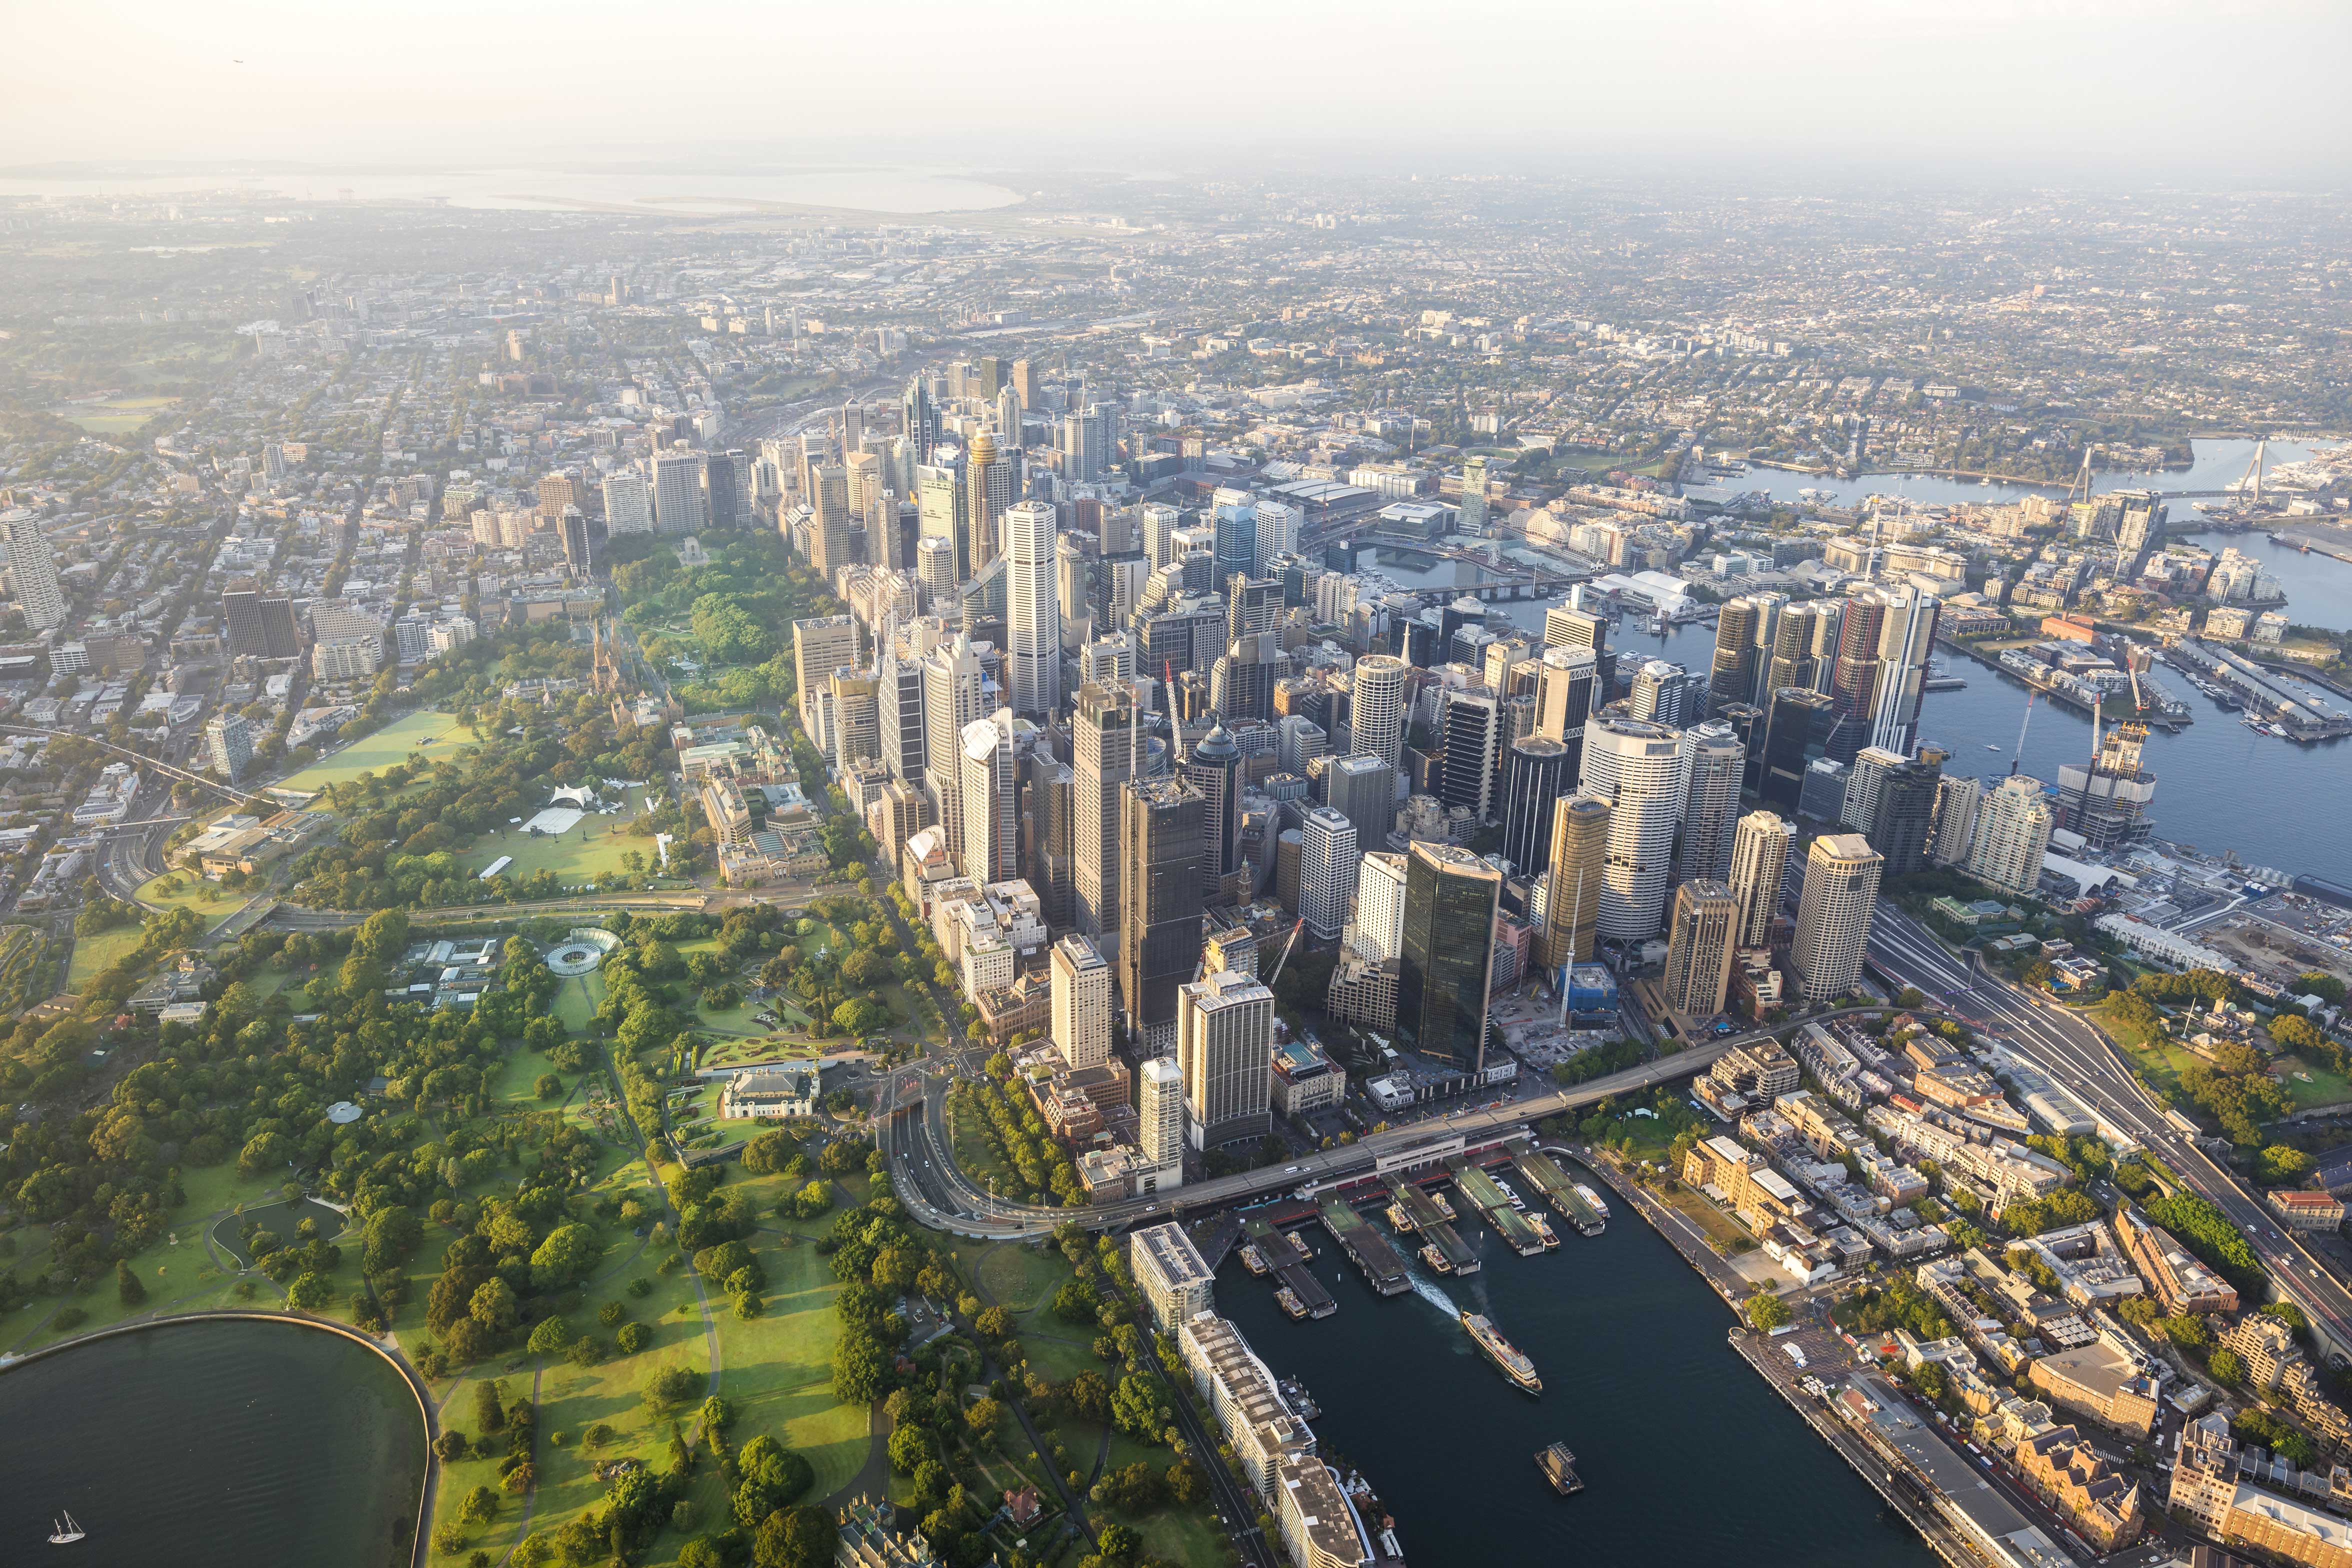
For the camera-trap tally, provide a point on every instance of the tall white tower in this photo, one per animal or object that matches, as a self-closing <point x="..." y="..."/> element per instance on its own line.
<point x="953" y="698"/>
<point x="1081" y="999"/>
<point x="1375" y="716"/>
<point x="1327" y="872"/>
<point x="1634" y="765"/>
<point x="1032" y="616"/>
<point x="32" y="567"/>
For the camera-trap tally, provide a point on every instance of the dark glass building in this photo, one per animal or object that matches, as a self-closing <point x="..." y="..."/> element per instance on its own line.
<point x="1797" y="731"/>
<point x="1160" y="903"/>
<point x="1535" y="776"/>
<point x="1446" y="962"/>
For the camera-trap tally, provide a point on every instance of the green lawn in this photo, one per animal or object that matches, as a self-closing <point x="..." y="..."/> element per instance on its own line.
<point x="576" y="1004"/>
<point x="596" y="849"/>
<point x="2308" y="1084"/>
<point x="96" y="954"/>
<point x="192" y="892"/>
<point x="437" y="735"/>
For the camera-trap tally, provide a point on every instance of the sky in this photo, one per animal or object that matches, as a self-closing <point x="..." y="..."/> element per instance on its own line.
<point x="2242" y="91"/>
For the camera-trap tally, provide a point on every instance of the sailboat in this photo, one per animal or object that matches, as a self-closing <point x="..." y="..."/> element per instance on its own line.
<point x="65" y="1534"/>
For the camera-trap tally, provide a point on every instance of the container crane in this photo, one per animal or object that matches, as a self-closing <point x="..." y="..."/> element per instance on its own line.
<point x="2020" y="755"/>
<point x="1285" y="952"/>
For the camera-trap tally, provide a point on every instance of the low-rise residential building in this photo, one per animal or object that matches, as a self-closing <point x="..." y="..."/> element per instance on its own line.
<point x="2182" y="1284"/>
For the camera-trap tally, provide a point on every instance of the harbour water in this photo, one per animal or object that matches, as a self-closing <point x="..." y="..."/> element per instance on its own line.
<point x="212" y="1444"/>
<point x="2219" y="787"/>
<point x="1686" y="1456"/>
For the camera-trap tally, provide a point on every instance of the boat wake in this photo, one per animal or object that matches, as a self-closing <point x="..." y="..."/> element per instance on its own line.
<point x="1429" y="1291"/>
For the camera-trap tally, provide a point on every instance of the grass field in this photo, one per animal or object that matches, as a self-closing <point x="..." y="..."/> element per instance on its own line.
<point x="96" y="954"/>
<point x="437" y="735"/>
<point x="594" y="849"/>
<point x="2308" y="1084"/>
<point x="209" y="900"/>
<point x="1723" y="1233"/>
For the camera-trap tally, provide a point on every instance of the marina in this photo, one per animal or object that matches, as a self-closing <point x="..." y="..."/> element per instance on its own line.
<point x="1286" y="1257"/>
<point x="1416" y="1212"/>
<point x="1526" y="1235"/>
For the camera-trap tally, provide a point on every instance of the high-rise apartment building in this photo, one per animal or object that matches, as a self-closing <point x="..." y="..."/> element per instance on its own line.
<point x="2012" y="834"/>
<point x="1577" y="873"/>
<point x="1700" y="938"/>
<point x="1634" y="765"/>
<point x="1956" y="802"/>
<point x="1833" y="915"/>
<point x="628" y="505"/>
<point x="1160" y="902"/>
<point x="228" y="744"/>
<point x="1224" y="1048"/>
<point x="677" y="492"/>
<point x="1081" y="1002"/>
<point x="1759" y="862"/>
<point x="261" y="625"/>
<point x="33" y="568"/>
<point x="1159" y="1125"/>
<point x="1446" y="967"/>
<point x="1034" y="659"/>
<point x="821" y="645"/>
<point x="1327" y="872"/>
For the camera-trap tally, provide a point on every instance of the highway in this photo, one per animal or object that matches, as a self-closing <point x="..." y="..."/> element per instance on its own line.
<point x="2074" y="1053"/>
<point x="915" y="1140"/>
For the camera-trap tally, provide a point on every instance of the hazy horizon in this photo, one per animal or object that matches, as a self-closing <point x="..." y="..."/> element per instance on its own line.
<point x="2001" y="92"/>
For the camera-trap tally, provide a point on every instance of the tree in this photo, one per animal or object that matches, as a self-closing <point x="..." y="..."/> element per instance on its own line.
<point x="2280" y="1164"/>
<point x="671" y="1386"/>
<point x="2226" y="1367"/>
<point x="1767" y="1311"/>
<point x="128" y="1285"/>
<point x="550" y="1337"/>
<point x="489" y="1407"/>
<point x="801" y="1537"/>
<point x="547" y="1086"/>
<point x="568" y="1254"/>
<point x="767" y="1154"/>
<point x="909" y="1446"/>
<point x="494" y="1306"/>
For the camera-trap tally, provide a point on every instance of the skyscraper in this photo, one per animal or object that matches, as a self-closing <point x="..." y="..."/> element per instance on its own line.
<point x="1957" y="800"/>
<point x="821" y="645"/>
<point x="1327" y="872"/>
<point x="1102" y="749"/>
<point x="1467" y="736"/>
<point x="829" y="528"/>
<point x="1760" y="859"/>
<point x="1833" y="915"/>
<point x="1237" y="534"/>
<point x="1580" y="853"/>
<point x="988" y="482"/>
<point x="1890" y="800"/>
<point x="1363" y="790"/>
<point x="1471" y="518"/>
<point x="1159" y="1125"/>
<point x="1160" y="903"/>
<point x="1667" y="694"/>
<point x="677" y="492"/>
<point x="918" y="416"/>
<point x="1634" y="765"/>
<point x="991" y="841"/>
<point x="32" y="567"/>
<point x="1224" y="1049"/>
<point x="1215" y="769"/>
<point x="857" y="716"/>
<point x="940" y="511"/>
<point x="1713" y="763"/>
<point x="2012" y="834"/>
<point x="228" y="744"/>
<point x="904" y="736"/>
<point x="1534" y="779"/>
<point x="1796" y="733"/>
<point x="1566" y="686"/>
<point x="1699" y="940"/>
<point x="628" y="505"/>
<point x="1905" y="639"/>
<point x="1035" y="657"/>
<point x="261" y="625"/>
<point x="1733" y="678"/>
<point x="1081" y="1002"/>
<point x="1446" y="965"/>
<point x="576" y="558"/>
<point x="1377" y="713"/>
<point x="1380" y="906"/>
<point x="953" y="698"/>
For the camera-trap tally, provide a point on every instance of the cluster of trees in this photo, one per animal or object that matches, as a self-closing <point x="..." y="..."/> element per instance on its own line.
<point x="405" y="829"/>
<point x="2065" y="1206"/>
<point x="1019" y="1135"/>
<point x="498" y="1424"/>
<point x="2236" y="1090"/>
<point x="2206" y="1231"/>
<point x="1896" y="1301"/>
<point x="738" y="605"/>
<point x="840" y="986"/>
<point x="1600" y="1062"/>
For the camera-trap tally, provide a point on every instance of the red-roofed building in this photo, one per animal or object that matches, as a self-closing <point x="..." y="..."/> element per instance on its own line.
<point x="2309" y="1210"/>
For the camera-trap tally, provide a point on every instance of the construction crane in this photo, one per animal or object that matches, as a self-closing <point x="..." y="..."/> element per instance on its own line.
<point x="1285" y="952"/>
<point x="2028" y="720"/>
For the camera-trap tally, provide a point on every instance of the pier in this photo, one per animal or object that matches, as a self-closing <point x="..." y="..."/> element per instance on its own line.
<point x="1537" y="1169"/>
<point x="1525" y="1236"/>
<point x="1286" y="1258"/>
<point x="1367" y="1248"/>
<point x="1430" y="1216"/>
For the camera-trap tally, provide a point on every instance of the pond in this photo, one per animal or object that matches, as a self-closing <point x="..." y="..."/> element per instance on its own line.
<point x="282" y="1220"/>
<point x="213" y="1444"/>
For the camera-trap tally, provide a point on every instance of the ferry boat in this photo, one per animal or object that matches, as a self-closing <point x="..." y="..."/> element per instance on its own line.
<point x="1511" y="1195"/>
<point x="1302" y="1403"/>
<point x="1435" y="1259"/>
<point x="1502" y="1353"/>
<point x="1594" y="1199"/>
<point x="1559" y="1466"/>
<point x="1254" y="1260"/>
<point x="1288" y="1300"/>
